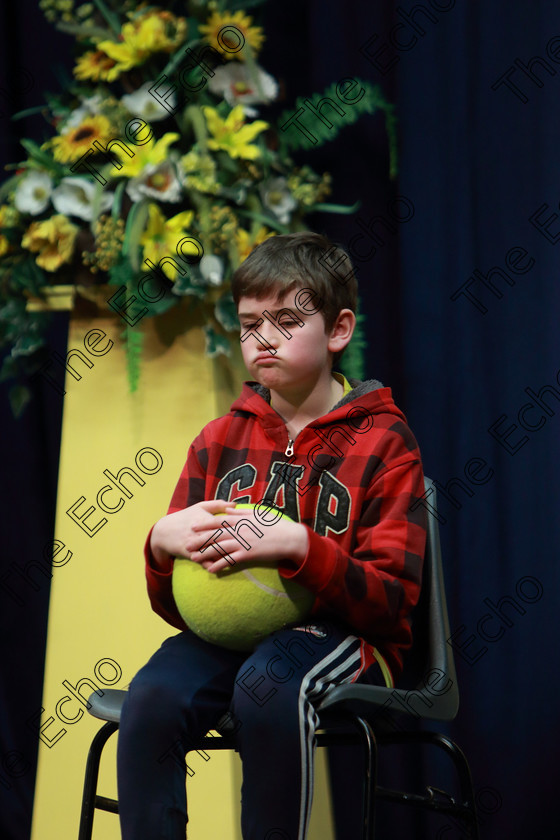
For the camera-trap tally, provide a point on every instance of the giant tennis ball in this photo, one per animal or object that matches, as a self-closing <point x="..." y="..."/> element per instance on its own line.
<point x="239" y="606"/>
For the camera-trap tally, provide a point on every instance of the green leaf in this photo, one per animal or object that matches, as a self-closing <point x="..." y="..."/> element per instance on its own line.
<point x="26" y="345"/>
<point x="19" y="396"/>
<point x="117" y="200"/>
<point x="134" y="339"/>
<point x="269" y="221"/>
<point x="120" y="272"/>
<point x="178" y="57"/>
<point x="10" y="369"/>
<point x="195" y="116"/>
<point x="28" y="275"/>
<point x="28" y="112"/>
<point x="90" y="33"/>
<point x="225" y="311"/>
<point x="111" y="18"/>
<point x="42" y="158"/>
<point x="163" y="304"/>
<point x="216" y="344"/>
<point x="8" y="186"/>
<point x="335" y="208"/>
<point x="135" y="225"/>
<point x="191" y="283"/>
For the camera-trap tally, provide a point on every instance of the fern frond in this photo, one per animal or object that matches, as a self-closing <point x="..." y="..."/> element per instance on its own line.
<point x="303" y="129"/>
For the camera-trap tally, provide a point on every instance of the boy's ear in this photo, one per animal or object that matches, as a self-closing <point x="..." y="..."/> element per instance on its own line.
<point x="341" y="331"/>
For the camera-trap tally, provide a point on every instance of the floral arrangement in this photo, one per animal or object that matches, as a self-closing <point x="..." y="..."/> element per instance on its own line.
<point x="158" y="156"/>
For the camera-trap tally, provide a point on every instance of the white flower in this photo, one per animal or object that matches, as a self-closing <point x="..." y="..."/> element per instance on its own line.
<point x="93" y="103"/>
<point x="143" y="104"/>
<point x="212" y="269"/>
<point x="76" y="118"/>
<point x="239" y="86"/>
<point x="157" y="180"/>
<point x="278" y="198"/>
<point x="33" y="192"/>
<point x="90" y="106"/>
<point x="75" y="197"/>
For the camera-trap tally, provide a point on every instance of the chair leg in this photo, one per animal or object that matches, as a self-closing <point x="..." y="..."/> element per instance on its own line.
<point x="369" y="778"/>
<point x="465" y="779"/>
<point x="466" y="810"/>
<point x="90" y="780"/>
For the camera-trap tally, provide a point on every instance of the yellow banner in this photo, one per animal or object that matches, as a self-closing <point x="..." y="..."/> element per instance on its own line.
<point x="120" y="458"/>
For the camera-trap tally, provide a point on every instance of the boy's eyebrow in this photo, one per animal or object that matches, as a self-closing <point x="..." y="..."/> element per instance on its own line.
<point x="274" y="311"/>
<point x="246" y="314"/>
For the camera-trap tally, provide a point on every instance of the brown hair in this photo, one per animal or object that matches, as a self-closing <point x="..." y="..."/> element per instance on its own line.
<point x="299" y="260"/>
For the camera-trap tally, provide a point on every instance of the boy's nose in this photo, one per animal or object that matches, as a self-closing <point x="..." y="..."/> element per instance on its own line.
<point x="263" y="336"/>
<point x="268" y="334"/>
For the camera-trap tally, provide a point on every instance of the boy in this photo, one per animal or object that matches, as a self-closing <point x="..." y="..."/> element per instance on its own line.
<point x="340" y="462"/>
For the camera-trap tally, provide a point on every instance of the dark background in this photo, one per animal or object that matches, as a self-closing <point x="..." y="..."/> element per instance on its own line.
<point x="475" y="163"/>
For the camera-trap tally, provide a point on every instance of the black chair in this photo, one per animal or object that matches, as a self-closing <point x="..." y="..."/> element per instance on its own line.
<point x="358" y="714"/>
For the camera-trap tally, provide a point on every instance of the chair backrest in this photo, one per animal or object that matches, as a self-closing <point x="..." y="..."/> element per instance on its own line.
<point x="428" y="686"/>
<point x="431" y="655"/>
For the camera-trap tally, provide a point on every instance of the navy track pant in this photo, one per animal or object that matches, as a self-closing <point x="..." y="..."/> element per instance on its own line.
<point x="271" y="694"/>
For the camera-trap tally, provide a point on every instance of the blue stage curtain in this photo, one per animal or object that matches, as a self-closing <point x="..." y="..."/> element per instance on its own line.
<point x="462" y="306"/>
<point x="479" y="157"/>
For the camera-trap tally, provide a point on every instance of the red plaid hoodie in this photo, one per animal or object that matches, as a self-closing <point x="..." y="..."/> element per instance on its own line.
<point x="351" y="478"/>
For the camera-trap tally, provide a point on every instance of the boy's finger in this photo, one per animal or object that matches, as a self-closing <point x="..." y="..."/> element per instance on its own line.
<point x="218" y="506"/>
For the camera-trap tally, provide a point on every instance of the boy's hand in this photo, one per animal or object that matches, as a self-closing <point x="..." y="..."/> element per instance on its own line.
<point x="173" y="535"/>
<point x="284" y="539"/>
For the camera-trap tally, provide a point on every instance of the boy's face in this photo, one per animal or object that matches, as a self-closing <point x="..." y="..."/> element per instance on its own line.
<point x="291" y="359"/>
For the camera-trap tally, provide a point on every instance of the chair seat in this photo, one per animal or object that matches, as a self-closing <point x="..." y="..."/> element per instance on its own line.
<point x="108" y="706"/>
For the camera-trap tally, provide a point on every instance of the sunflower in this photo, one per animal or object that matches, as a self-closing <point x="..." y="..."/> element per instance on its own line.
<point x="71" y="146"/>
<point x="218" y="32"/>
<point x="97" y="66"/>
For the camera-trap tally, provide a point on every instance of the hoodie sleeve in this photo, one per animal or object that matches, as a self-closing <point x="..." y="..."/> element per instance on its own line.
<point x="188" y="491"/>
<point x="375" y="587"/>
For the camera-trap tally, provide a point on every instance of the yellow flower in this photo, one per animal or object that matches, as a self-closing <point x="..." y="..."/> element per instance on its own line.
<point x="4" y="245"/>
<point x="75" y="143"/>
<point x="53" y="240"/>
<point x="230" y="44"/>
<point x="232" y="135"/>
<point x="246" y="243"/>
<point x="161" y="237"/>
<point x="151" y="153"/>
<point x="97" y="66"/>
<point x="153" y="32"/>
